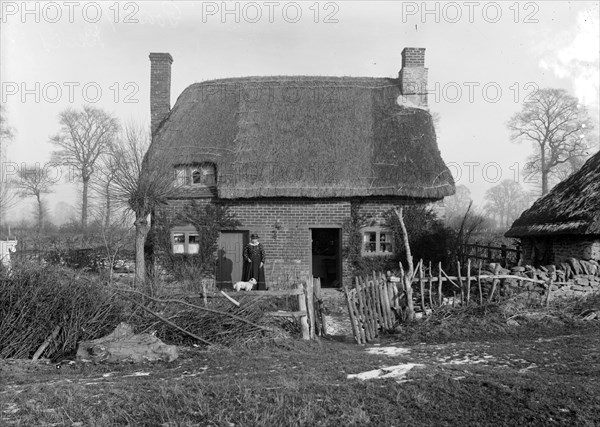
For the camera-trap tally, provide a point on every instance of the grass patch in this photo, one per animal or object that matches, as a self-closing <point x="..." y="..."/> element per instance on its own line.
<point x="527" y="381"/>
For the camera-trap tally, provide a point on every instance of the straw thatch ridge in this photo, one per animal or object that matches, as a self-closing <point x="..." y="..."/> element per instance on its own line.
<point x="572" y="207"/>
<point x="305" y="137"/>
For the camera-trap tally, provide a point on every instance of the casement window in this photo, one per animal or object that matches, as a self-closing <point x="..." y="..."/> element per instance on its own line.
<point x="377" y="241"/>
<point x="185" y="240"/>
<point x="201" y="175"/>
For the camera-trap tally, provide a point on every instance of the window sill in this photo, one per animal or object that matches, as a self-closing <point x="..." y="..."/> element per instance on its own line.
<point x="374" y="254"/>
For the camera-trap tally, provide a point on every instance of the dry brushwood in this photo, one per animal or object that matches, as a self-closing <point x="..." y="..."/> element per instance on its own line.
<point x="36" y="302"/>
<point x="221" y="323"/>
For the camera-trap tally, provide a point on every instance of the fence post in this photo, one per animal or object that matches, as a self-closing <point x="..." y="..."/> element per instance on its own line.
<point x="310" y="307"/>
<point x="302" y="307"/>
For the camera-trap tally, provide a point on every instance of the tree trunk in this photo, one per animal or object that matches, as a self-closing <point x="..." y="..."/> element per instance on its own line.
<point x="40" y="212"/>
<point x="544" y="172"/>
<point x="408" y="276"/>
<point x="107" y="217"/>
<point x="84" y="203"/>
<point x="141" y="231"/>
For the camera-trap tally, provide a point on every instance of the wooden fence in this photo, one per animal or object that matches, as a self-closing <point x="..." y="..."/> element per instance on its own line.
<point x="380" y="303"/>
<point x="489" y="253"/>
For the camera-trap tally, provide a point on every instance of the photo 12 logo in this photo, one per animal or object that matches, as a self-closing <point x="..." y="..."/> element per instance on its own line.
<point x="488" y="92"/>
<point x="53" y="12"/>
<point x="490" y="172"/>
<point x="269" y="11"/>
<point x="50" y="172"/>
<point x="53" y="92"/>
<point x="453" y="12"/>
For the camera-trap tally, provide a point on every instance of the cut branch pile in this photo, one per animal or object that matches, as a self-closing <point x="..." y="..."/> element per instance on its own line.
<point x="45" y="312"/>
<point x="190" y="319"/>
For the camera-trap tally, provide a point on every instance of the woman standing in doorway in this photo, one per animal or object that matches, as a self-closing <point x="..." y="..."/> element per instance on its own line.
<point x="254" y="262"/>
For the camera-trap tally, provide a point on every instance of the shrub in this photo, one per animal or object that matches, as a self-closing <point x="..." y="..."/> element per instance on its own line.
<point x="429" y="240"/>
<point x="208" y="220"/>
<point x="35" y="300"/>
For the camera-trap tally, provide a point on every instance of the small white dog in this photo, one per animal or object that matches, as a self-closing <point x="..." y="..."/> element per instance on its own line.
<point x="246" y="286"/>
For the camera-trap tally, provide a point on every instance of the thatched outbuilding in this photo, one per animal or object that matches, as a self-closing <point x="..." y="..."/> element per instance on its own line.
<point x="565" y="223"/>
<point x="290" y="156"/>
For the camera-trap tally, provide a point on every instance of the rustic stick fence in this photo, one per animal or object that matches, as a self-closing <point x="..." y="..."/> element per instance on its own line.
<point x="380" y="302"/>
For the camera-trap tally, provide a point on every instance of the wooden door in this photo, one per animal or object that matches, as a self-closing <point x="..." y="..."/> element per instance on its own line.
<point x="229" y="258"/>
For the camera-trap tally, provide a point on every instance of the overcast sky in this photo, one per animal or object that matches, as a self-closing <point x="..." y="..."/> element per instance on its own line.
<point x="484" y="58"/>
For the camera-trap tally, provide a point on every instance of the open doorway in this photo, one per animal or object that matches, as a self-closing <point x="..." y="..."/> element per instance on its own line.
<point x="326" y="256"/>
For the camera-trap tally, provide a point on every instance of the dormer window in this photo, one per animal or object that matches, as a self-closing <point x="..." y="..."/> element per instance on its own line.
<point x="200" y="174"/>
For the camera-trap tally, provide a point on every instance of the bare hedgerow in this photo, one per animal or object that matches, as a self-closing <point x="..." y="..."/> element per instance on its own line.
<point x="36" y="301"/>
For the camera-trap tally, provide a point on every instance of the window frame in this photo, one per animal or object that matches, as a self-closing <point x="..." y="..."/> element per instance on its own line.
<point x="186" y="175"/>
<point x="378" y="242"/>
<point x="187" y="231"/>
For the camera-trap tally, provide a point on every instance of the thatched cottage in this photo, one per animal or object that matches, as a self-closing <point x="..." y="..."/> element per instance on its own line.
<point x="565" y="223"/>
<point x="290" y="156"/>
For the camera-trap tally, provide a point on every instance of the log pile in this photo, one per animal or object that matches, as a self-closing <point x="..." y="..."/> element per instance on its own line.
<point x="123" y="345"/>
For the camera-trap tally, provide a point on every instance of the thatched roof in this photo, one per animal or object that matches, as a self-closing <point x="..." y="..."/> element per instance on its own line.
<point x="572" y="207"/>
<point x="305" y="137"/>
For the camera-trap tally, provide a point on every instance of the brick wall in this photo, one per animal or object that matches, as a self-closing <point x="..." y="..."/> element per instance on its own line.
<point x="285" y="228"/>
<point x="413" y="57"/>
<point x="413" y="77"/>
<point x="527" y="251"/>
<point x="564" y="247"/>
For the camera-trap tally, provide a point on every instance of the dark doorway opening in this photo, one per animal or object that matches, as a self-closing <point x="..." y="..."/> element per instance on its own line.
<point x="326" y="256"/>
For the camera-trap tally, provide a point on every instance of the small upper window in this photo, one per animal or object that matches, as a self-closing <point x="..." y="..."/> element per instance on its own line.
<point x="196" y="175"/>
<point x="377" y="241"/>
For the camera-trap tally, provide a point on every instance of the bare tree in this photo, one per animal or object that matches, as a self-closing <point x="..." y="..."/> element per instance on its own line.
<point x="34" y="183"/>
<point x="142" y="187"/>
<point x="8" y="198"/>
<point x="6" y="132"/>
<point x="104" y="189"/>
<point x="457" y="204"/>
<point x="84" y="136"/>
<point x="506" y="201"/>
<point x="557" y="126"/>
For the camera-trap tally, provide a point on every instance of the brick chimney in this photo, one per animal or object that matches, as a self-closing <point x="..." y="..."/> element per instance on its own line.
<point x="160" y="88"/>
<point x="413" y="76"/>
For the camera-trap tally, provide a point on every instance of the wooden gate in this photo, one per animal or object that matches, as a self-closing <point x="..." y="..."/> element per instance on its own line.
<point x="372" y="304"/>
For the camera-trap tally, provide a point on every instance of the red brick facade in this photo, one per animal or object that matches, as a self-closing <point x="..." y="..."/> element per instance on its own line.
<point x="284" y="226"/>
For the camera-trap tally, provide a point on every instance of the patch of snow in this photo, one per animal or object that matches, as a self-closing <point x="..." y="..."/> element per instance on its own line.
<point x="467" y="360"/>
<point x="397" y="372"/>
<point x="388" y="351"/>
